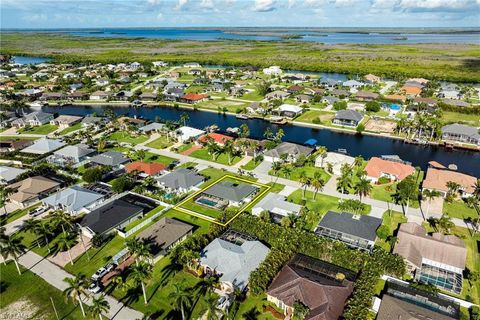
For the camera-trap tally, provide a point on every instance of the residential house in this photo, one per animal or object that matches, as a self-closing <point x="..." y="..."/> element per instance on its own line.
<point x="277" y="206"/>
<point x="159" y="64"/>
<point x="173" y="94"/>
<point x="194" y="72"/>
<point x="426" y="101"/>
<point x="226" y="193"/>
<point x="437" y="179"/>
<point x="350" y="118"/>
<point x="181" y="181"/>
<point x="457" y="103"/>
<point x="396" y="98"/>
<point x="91" y="122"/>
<point x="233" y="257"/>
<point x="65" y="121"/>
<point x="461" y="133"/>
<point x="218" y="138"/>
<point x="353" y="84"/>
<point x="184" y="134"/>
<point x="394" y="171"/>
<point x="14" y="145"/>
<point x="411" y="91"/>
<point x="126" y="122"/>
<point x="30" y="190"/>
<point x="36" y="118"/>
<point x="292" y="150"/>
<point x="192" y="65"/>
<point x="53" y="96"/>
<point x="438" y="260"/>
<point x="164" y="235"/>
<point x="123" y="95"/>
<point x="149" y="169"/>
<point x="340" y="93"/>
<point x="115" y="214"/>
<point x="152" y="127"/>
<point x="366" y="96"/>
<point x="277" y="95"/>
<point x="147" y="96"/>
<point x="294" y="89"/>
<point x="99" y="95"/>
<point x="71" y="155"/>
<point x="403" y="301"/>
<point x="112" y="159"/>
<point x="194" y="98"/>
<point x="329" y="83"/>
<point x="9" y="174"/>
<point x="320" y="286"/>
<point x="336" y="160"/>
<point x="74" y="200"/>
<point x="356" y="231"/>
<point x="288" y="110"/>
<point x="330" y="100"/>
<point x="371" y="78"/>
<point x="304" y="98"/>
<point x="255" y="107"/>
<point x="273" y="70"/>
<point x="78" y="95"/>
<point x="43" y="146"/>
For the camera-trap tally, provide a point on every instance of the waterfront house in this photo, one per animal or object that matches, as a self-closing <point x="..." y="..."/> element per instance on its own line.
<point x="255" y="107"/>
<point x="461" y="133"/>
<point x="396" y="98"/>
<point x="78" y="95"/>
<point x="36" y="118"/>
<point x="226" y="193"/>
<point x="53" y="96"/>
<point x="9" y="174"/>
<point x="336" y="160"/>
<point x="30" y="190"/>
<point x="438" y="260"/>
<point x="350" y="118"/>
<point x="192" y="65"/>
<point x="147" y="96"/>
<point x="99" y="95"/>
<point x="43" y="146"/>
<point x="218" y="138"/>
<point x="273" y="71"/>
<point x="194" y="98"/>
<point x="437" y="179"/>
<point x="181" y="181"/>
<point x="320" y="286"/>
<point x="164" y="235"/>
<point x="294" y="89"/>
<point x="277" y="206"/>
<point x="71" y="155"/>
<point x="352" y="84"/>
<point x="457" y="103"/>
<point x="149" y="169"/>
<point x="356" y="231"/>
<point x="288" y="110"/>
<point x="366" y="96"/>
<point x="371" y="78"/>
<point x="152" y="127"/>
<point x="411" y="91"/>
<point x="65" y="121"/>
<point x="127" y="122"/>
<point x="74" y="200"/>
<point x="292" y="150"/>
<point x="185" y="134"/>
<point x="94" y="123"/>
<point x="233" y="256"/>
<point x="377" y="168"/>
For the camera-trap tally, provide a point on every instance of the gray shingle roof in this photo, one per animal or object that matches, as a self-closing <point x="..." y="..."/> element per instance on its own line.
<point x="462" y="129"/>
<point x="43" y="146"/>
<point x="180" y="179"/>
<point x="230" y="191"/>
<point x="235" y="262"/>
<point x="76" y="152"/>
<point x="73" y="199"/>
<point x="349" y="115"/>
<point x="290" y="149"/>
<point x="365" y="227"/>
<point x="109" y="158"/>
<point x="8" y="174"/>
<point x="276" y="203"/>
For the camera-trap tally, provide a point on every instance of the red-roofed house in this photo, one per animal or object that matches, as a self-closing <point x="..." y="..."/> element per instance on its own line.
<point x="194" y="97"/>
<point x="219" y="138"/>
<point x="150" y="169"/>
<point x="395" y="171"/>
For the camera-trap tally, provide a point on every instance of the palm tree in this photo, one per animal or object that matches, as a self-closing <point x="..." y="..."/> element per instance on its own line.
<point x="77" y="287"/>
<point x="212" y="308"/>
<point x="229" y="149"/>
<point x="344" y="182"/>
<point x="4" y="194"/>
<point x="279" y="135"/>
<point x="318" y="183"/>
<point x="31" y="225"/>
<point x="276" y="167"/>
<point x="12" y="246"/>
<point x="60" y="218"/>
<point x="181" y="298"/>
<point x="184" y="118"/>
<point x="453" y="187"/>
<point x="65" y="242"/>
<point x="286" y="170"/>
<point x="268" y="134"/>
<point x="141" y="272"/>
<point x="363" y="188"/>
<point x="99" y="306"/>
<point x="445" y="223"/>
<point x="305" y="181"/>
<point x="138" y="248"/>
<point x="430" y="195"/>
<point x="476" y="191"/>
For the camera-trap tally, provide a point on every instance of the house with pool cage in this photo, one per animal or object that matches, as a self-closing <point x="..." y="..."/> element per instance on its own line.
<point x="226" y="193"/>
<point x="437" y="260"/>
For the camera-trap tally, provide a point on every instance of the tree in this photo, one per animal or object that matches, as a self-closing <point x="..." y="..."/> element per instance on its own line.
<point x="31" y="225"/>
<point x="63" y="220"/>
<point x="445" y="224"/>
<point x="453" y="188"/>
<point x="268" y="134"/>
<point x="352" y="206"/>
<point x="77" y="287"/>
<point x="12" y="246"/>
<point x="93" y="175"/>
<point x="286" y="170"/>
<point x="344" y="182"/>
<point x="184" y="117"/>
<point x="383" y="232"/>
<point x="300" y="311"/>
<point x="305" y="181"/>
<point x="99" y="306"/>
<point x="181" y="298"/>
<point x="5" y="192"/>
<point x="212" y="308"/>
<point x="138" y="248"/>
<point x="140" y="273"/>
<point x="407" y="190"/>
<point x="276" y="168"/>
<point x="140" y="154"/>
<point x="244" y="131"/>
<point x="122" y="184"/>
<point x="65" y="242"/>
<point x="279" y="135"/>
<point x="372" y="106"/>
<point x="318" y="183"/>
<point x="262" y="88"/>
<point x="229" y="149"/>
<point x="265" y="216"/>
<point x="340" y="105"/>
<point x="362" y="188"/>
<point x="430" y="195"/>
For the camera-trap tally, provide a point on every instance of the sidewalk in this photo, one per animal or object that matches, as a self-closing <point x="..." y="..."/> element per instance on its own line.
<point x="55" y="275"/>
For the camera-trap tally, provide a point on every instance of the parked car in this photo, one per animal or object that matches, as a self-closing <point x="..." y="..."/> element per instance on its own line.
<point x="110" y="267"/>
<point x="37" y="211"/>
<point x="99" y="274"/>
<point x="95" y="287"/>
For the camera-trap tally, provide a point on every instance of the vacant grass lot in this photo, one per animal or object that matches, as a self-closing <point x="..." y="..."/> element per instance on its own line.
<point x="160" y="143"/>
<point x="75" y="127"/>
<point x="153" y="157"/>
<point x="310" y="116"/>
<point x="454" y="117"/>
<point x="222" y="158"/>
<point x="459" y="209"/>
<point x="36" y="292"/>
<point x="252" y="164"/>
<point x="122" y="136"/>
<point x="44" y="129"/>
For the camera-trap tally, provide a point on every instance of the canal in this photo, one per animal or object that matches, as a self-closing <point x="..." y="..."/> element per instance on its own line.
<point x="365" y="145"/>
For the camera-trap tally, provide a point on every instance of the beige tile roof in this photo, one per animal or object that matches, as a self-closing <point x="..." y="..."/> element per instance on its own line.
<point x="376" y="166"/>
<point x="31" y="187"/>
<point x="437" y="179"/>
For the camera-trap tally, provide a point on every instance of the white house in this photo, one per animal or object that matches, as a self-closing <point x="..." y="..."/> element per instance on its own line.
<point x="186" y="133"/>
<point x="273" y="70"/>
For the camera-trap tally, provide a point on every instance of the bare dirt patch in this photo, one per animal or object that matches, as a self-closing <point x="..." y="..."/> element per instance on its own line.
<point x="377" y="125"/>
<point x="20" y="310"/>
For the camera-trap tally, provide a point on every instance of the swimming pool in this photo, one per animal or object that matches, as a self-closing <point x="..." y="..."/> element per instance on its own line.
<point x="207" y="202"/>
<point x="394" y="106"/>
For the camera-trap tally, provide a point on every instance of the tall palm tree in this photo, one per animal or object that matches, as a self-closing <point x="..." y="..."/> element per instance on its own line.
<point x="181" y="298"/>
<point x="5" y="192"/>
<point x="363" y="188"/>
<point x="12" y="246"/>
<point x="99" y="305"/>
<point x="184" y="118"/>
<point x="344" y="182"/>
<point x="141" y="272"/>
<point x="31" y="225"/>
<point x="318" y="183"/>
<point x="138" y="248"/>
<point x="60" y="218"/>
<point x="453" y="187"/>
<point x="286" y="170"/>
<point x="476" y="191"/>
<point x="213" y="312"/>
<point x="77" y="287"/>
<point x="305" y="181"/>
<point x="229" y="149"/>
<point x="276" y="167"/>
<point x="430" y="195"/>
<point x="268" y="134"/>
<point x="65" y="242"/>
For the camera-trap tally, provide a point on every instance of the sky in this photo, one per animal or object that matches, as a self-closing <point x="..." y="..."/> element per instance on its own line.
<point x="238" y="13"/>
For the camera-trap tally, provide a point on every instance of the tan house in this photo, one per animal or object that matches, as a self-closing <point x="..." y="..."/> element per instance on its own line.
<point x="65" y="121"/>
<point x="437" y="179"/>
<point x="30" y="190"/>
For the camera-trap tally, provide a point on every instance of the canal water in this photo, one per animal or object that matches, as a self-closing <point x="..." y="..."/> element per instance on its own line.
<point x="365" y="145"/>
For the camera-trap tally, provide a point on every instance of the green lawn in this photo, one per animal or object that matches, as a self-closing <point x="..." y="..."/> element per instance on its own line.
<point x="222" y="159"/>
<point x="44" y="129"/>
<point x="254" y="96"/>
<point x="459" y="209"/>
<point x="276" y="187"/>
<point x="122" y="136"/>
<point x="384" y="192"/>
<point x="214" y="174"/>
<point x="252" y="164"/>
<point x="323" y="117"/>
<point x="309" y="171"/>
<point x="153" y="157"/>
<point x="12" y="216"/>
<point x="253" y="308"/>
<point x="187" y="165"/>
<point x="471" y="119"/>
<point x="75" y="127"/>
<point x="160" y="143"/>
<point x="184" y="147"/>
<point x="392" y="221"/>
<point x="317" y="207"/>
<point x="36" y="293"/>
<point x="191" y="205"/>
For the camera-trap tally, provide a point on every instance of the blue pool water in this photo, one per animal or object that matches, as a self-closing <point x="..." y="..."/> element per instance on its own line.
<point x="207" y="202"/>
<point x="394" y="106"/>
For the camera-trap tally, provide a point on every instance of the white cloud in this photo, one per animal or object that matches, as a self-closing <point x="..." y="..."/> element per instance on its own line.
<point x="207" y="4"/>
<point x="160" y="16"/>
<point x="346" y="3"/>
<point x="435" y="4"/>
<point x="154" y="3"/>
<point x="291" y="3"/>
<point x="181" y="4"/>
<point x="264" y="5"/>
<point x="384" y="4"/>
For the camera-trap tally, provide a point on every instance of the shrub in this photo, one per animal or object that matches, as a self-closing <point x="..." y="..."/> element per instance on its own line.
<point x="340" y="105"/>
<point x="317" y="120"/>
<point x="383" y="232"/>
<point x="122" y="184"/>
<point x="372" y="106"/>
<point x="383" y="180"/>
